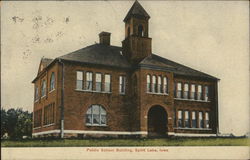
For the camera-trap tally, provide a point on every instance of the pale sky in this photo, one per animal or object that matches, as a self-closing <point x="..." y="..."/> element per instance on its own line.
<point x="210" y="36"/>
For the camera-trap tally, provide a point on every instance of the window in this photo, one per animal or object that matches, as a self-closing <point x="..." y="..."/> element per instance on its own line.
<point x="36" y="93"/>
<point x="154" y="85"/>
<point x="199" y="94"/>
<point x="140" y="31"/>
<point x="186" y="122"/>
<point x="122" y="84"/>
<point x="192" y="93"/>
<point x="96" y="116"/>
<point x="49" y="114"/>
<point x="194" y="122"/>
<point x="128" y="31"/>
<point x="43" y="88"/>
<point x="159" y="88"/>
<point x="179" y="118"/>
<point x="207" y="124"/>
<point x="201" y="124"/>
<point x="98" y="82"/>
<point x="165" y="85"/>
<point x="107" y="83"/>
<point x="179" y="90"/>
<point x="37" y="118"/>
<point x="186" y="90"/>
<point x="206" y="93"/>
<point x="52" y="81"/>
<point x="79" y="80"/>
<point x="89" y="81"/>
<point x="148" y="83"/>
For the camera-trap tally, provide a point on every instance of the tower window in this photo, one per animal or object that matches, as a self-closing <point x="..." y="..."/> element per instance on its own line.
<point x="128" y="33"/>
<point x="140" y="31"/>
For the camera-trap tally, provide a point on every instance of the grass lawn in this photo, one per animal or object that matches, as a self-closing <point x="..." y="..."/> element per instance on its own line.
<point x="128" y="142"/>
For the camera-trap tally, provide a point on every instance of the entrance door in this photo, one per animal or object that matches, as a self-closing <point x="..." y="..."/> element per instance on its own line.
<point x="157" y="122"/>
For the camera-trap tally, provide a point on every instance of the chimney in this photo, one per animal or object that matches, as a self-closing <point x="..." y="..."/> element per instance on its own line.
<point x="104" y="38"/>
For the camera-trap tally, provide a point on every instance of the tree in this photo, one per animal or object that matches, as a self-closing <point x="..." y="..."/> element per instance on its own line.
<point x="16" y="122"/>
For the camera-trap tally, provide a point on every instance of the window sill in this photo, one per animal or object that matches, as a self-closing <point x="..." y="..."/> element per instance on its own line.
<point x="43" y="96"/>
<point x="49" y="125"/>
<point x="91" y="91"/>
<point x="163" y="94"/>
<point x="52" y="90"/>
<point x="96" y="125"/>
<point x="193" y="100"/>
<point x="193" y="128"/>
<point x="36" y="128"/>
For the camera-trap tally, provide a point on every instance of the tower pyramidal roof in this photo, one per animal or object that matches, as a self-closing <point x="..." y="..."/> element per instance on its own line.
<point x="138" y="11"/>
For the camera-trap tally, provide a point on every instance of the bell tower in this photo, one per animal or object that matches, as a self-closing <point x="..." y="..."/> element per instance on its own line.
<point x="136" y="45"/>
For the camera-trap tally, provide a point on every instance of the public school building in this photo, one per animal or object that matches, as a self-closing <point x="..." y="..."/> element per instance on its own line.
<point x="104" y="90"/>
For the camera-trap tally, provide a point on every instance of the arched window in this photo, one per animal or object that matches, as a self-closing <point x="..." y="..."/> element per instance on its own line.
<point x="154" y="85"/>
<point x="159" y="88"/>
<point x="140" y="31"/>
<point x="96" y="116"/>
<point x="52" y="81"/>
<point x="148" y="83"/>
<point x="165" y="85"/>
<point x="43" y="88"/>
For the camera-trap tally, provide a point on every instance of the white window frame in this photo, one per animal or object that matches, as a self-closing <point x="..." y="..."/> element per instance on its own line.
<point x="192" y="92"/>
<point x="187" y="119"/>
<point x="206" y="98"/>
<point x="107" y="83"/>
<point x="154" y="84"/>
<point x="100" y="114"/>
<point x="52" y="82"/>
<point x="165" y="85"/>
<point x="186" y="91"/>
<point x="194" y="119"/>
<point x="199" y="92"/>
<point x="122" y="84"/>
<point x="43" y="88"/>
<point x="207" y="120"/>
<point x="180" y="119"/>
<point x="98" y="82"/>
<point x="178" y="90"/>
<point x="149" y="86"/>
<point x="89" y="81"/>
<point x="79" y="80"/>
<point x="201" y="123"/>
<point x="159" y="85"/>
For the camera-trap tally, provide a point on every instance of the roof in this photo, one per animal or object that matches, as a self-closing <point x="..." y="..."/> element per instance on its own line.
<point x="99" y="54"/>
<point x="46" y="61"/>
<point x="160" y="63"/>
<point x="136" y="10"/>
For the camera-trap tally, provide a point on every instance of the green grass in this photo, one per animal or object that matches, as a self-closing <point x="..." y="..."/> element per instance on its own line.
<point x="128" y="142"/>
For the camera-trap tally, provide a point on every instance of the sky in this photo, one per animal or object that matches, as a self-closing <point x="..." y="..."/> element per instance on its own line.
<point x="210" y="36"/>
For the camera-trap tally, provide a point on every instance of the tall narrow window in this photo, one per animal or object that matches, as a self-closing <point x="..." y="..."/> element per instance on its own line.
<point x="199" y="94"/>
<point x="36" y="93"/>
<point x="79" y="80"/>
<point x="89" y="81"/>
<point x="52" y="81"/>
<point x="159" y="88"/>
<point x="207" y="124"/>
<point x="194" y="122"/>
<point x="43" y="88"/>
<point x="179" y="119"/>
<point x="192" y="93"/>
<point x="154" y="85"/>
<point x="179" y="90"/>
<point x="140" y="31"/>
<point x="107" y="83"/>
<point x="165" y="85"/>
<point x="122" y="84"/>
<point x="148" y="83"/>
<point x="206" y="93"/>
<point x="96" y="116"/>
<point x="98" y="82"/>
<point x="187" y="124"/>
<point x="201" y="124"/>
<point x="186" y="90"/>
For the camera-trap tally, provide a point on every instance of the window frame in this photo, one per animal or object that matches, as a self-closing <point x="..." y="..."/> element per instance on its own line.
<point x="100" y="114"/>
<point x="105" y="83"/>
<point x="122" y="84"/>
<point x="89" y="81"/>
<point x="80" y="81"/>
<point x="43" y="90"/>
<point x="52" y="82"/>
<point x="98" y="82"/>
